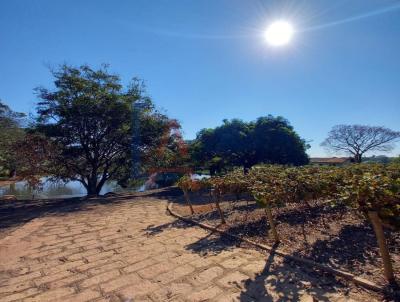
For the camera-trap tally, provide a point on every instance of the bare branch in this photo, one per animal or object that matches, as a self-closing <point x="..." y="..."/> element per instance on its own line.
<point x="359" y="139"/>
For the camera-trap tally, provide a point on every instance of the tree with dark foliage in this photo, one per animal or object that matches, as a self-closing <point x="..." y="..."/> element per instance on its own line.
<point x="87" y="119"/>
<point x="356" y="140"/>
<point x="11" y="131"/>
<point x="236" y="143"/>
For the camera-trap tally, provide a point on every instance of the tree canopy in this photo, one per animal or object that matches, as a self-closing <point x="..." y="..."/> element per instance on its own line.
<point x="11" y="124"/>
<point x="237" y="143"/>
<point x="87" y="120"/>
<point x="356" y="140"/>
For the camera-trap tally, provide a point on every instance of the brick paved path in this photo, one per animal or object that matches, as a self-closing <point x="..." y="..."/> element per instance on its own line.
<point x="133" y="251"/>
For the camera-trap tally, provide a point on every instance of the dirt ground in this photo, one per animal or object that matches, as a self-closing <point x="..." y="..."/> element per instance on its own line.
<point x="337" y="237"/>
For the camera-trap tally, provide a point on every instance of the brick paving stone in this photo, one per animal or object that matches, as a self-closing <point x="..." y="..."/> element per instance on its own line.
<point x="98" y="263"/>
<point x="234" y="262"/>
<point x="106" y="267"/>
<point x="171" y="292"/>
<point x="52" y="295"/>
<point x="119" y="282"/>
<point x="109" y="252"/>
<point x="63" y="266"/>
<point x="16" y="287"/>
<point x="135" y="290"/>
<point x="165" y="256"/>
<point x="80" y="255"/>
<point x="139" y="265"/>
<point x="19" y="295"/>
<point x="208" y="275"/>
<point x="53" y="277"/>
<point x="202" y="262"/>
<point x="185" y="258"/>
<point x="86" y="295"/>
<point x="67" y="281"/>
<point x="254" y="267"/>
<point x="174" y="274"/>
<point x="99" y="278"/>
<point x="100" y="255"/>
<point x="156" y="269"/>
<point x="205" y="294"/>
<point x="23" y="278"/>
<point x="235" y="279"/>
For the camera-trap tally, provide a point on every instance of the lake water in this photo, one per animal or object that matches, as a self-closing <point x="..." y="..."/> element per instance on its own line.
<point x="21" y="189"/>
<point x="55" y="190"/>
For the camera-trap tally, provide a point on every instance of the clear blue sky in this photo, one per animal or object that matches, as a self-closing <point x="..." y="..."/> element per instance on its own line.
<point x="204" y="61"/>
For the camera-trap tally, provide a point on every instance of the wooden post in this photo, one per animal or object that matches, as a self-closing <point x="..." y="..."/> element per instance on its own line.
<point x="383" y="249"/>
<point x="221" y="214"/>
<point x="186" y="194"/>
<point x="272" y="223"/>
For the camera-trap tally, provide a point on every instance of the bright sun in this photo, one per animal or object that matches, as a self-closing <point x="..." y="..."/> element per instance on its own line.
<point x="279" y="33"/>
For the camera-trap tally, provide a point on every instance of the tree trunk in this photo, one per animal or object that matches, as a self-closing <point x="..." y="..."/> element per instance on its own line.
<point x="92" y="187"/>
<point x="101" y="184"/>
<point x="186" y="194"/>
<point x="221" y="214"/>
<point x="246" y="168"/>
<point x="237" y="196"/>
<point x="212" y="171"/>
<point x="272" y="224"/>
<point x="12" y="173"/>
<point x="91" y="190"/>
<point x="383" y="249"/>
<point x="358" y="158"/>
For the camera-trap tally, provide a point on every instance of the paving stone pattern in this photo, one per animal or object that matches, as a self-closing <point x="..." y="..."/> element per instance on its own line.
<point x="134" y="251"/>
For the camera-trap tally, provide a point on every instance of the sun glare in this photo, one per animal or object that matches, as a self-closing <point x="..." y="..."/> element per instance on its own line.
<point x="279" y="33"/>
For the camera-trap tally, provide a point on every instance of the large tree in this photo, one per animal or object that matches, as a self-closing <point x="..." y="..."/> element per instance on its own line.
<point x="11" y="131"/>
<point x="277" y="142"/>
<point x="87" y="118"/>
<point x="356" y="140"/>
<point x="237" y="143"/>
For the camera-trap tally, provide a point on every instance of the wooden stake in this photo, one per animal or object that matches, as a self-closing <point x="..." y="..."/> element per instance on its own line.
<point x="272" y="223"/>
<point x="185" y="192"/>
<point x="383" y="249"/>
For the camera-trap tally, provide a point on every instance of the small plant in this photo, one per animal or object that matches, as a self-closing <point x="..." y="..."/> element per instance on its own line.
<point x="269" y="189"/>
<point x="374" y="190"/>
<point x="219" y="188"/>
<point x="185" y="184"/>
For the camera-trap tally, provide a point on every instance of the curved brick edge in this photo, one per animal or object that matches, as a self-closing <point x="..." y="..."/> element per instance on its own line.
<point x="348" y="276"/>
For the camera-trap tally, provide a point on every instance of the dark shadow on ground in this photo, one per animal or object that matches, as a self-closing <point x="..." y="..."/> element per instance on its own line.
<point x="152" y="230"/>
<point x="282" y="280"/>
<point x="306" y="214"/>
<point x="354" y="245"/>
<point x="16" y="213"/>
<point x="212" y="244"/>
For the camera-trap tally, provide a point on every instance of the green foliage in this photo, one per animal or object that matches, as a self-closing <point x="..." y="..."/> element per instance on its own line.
<point x="374" y="187"/>
<point x="10" y="132"/>
<point x="186" y="183"/>
<point x="88" y="120"/>
<point x="236" y="183"/>
<point x="396" y="160"/>
<point x="236" y="143"/>
<point x="366" y="187"/>
<point x="268" y="185"/>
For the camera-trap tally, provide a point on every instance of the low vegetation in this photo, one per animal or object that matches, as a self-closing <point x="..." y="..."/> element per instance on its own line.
<point x="373" y="190"/>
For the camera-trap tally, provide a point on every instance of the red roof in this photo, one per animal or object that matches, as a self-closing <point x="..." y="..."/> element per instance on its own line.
<point x="329" y="160"/>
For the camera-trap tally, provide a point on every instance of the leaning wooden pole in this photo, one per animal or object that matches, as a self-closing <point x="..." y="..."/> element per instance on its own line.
<point x="383" y="248"/>
<point x="186" y="194"/>
<point x="272" y="223"/>
<point x="221" y="214"/>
